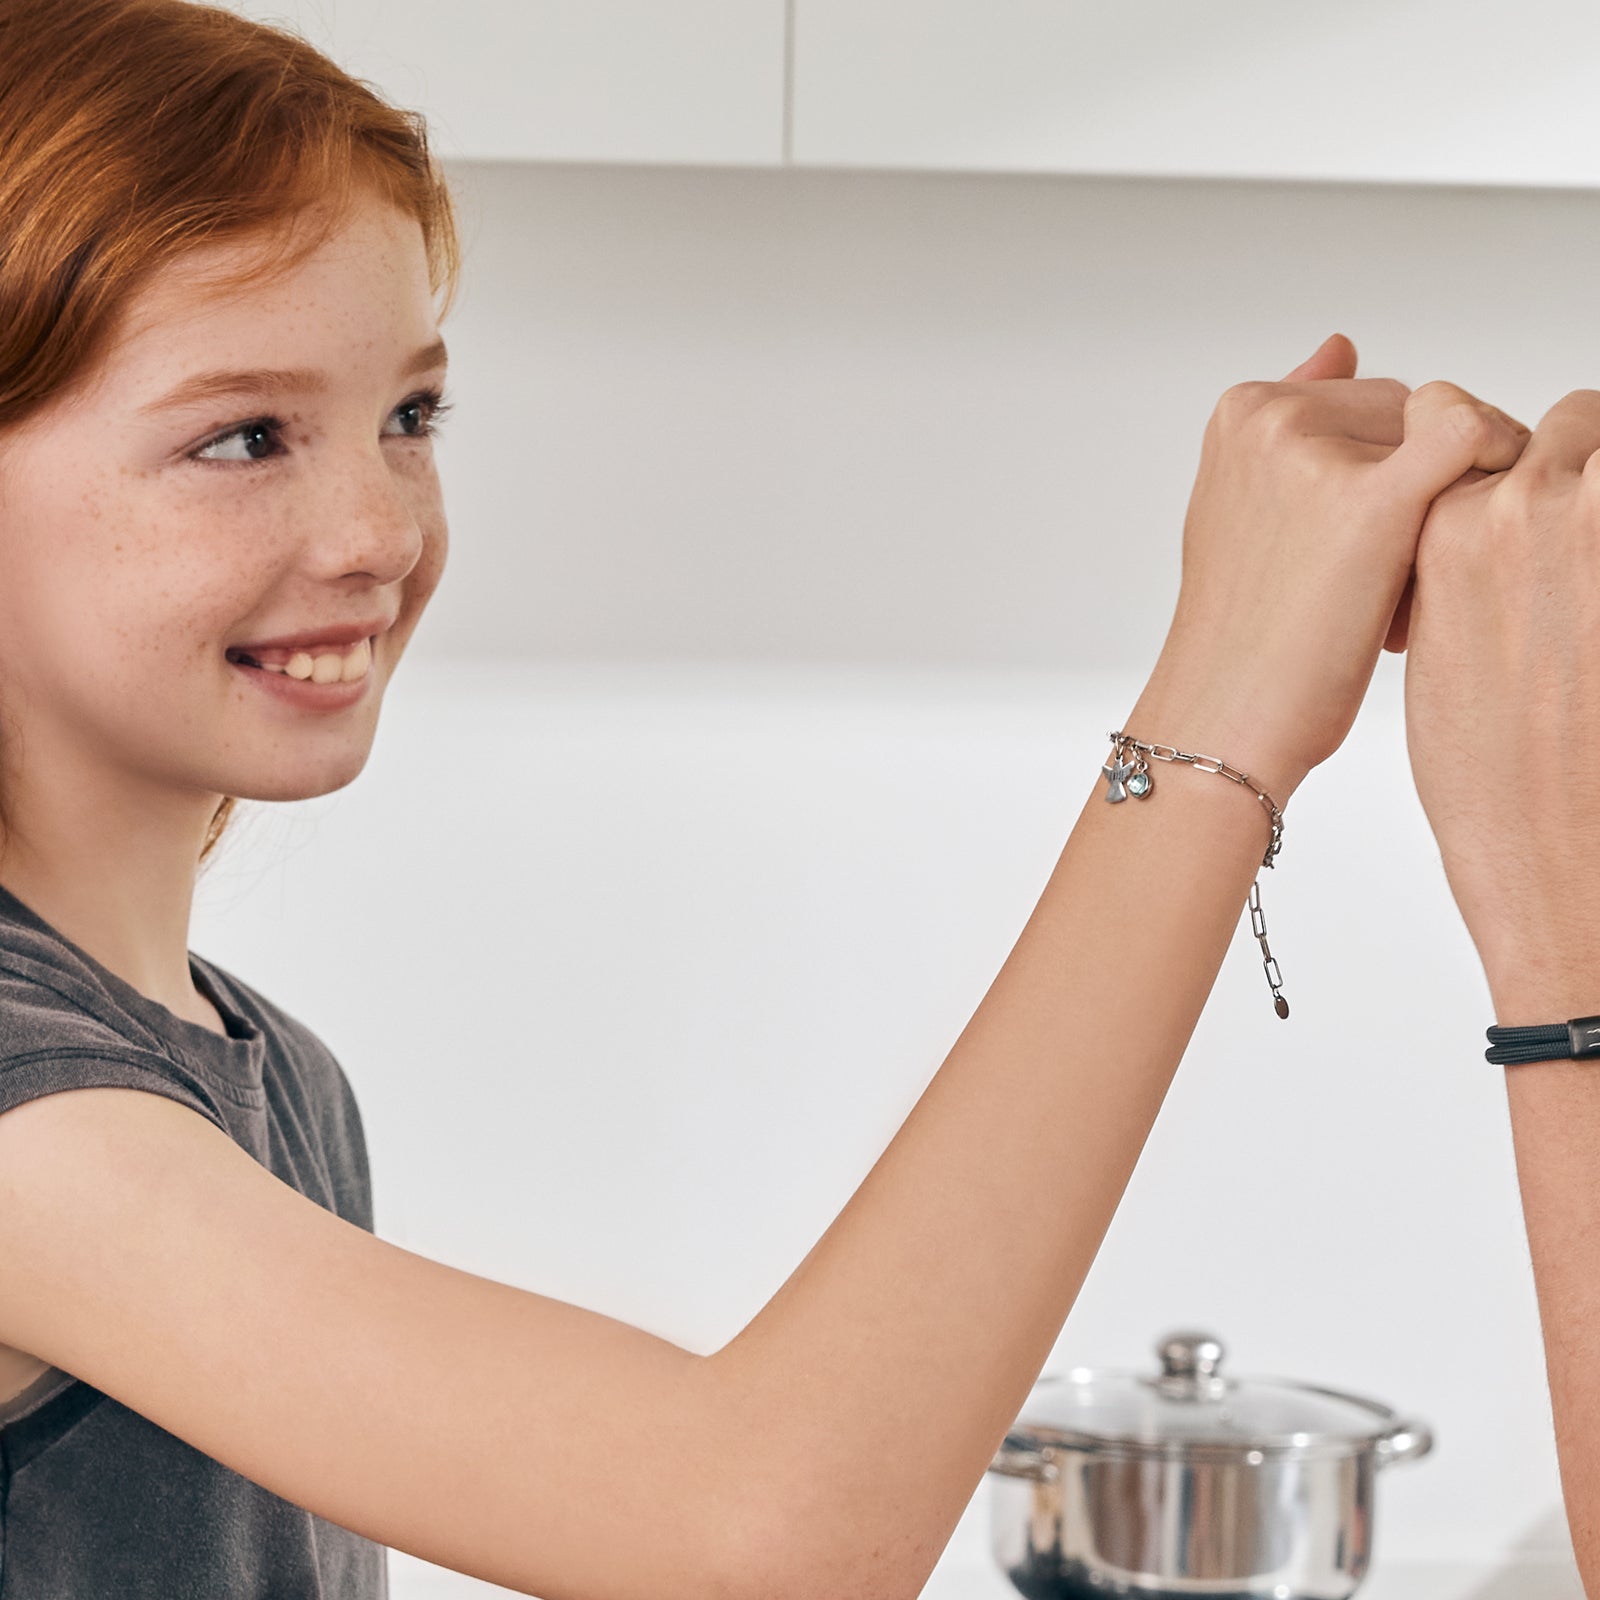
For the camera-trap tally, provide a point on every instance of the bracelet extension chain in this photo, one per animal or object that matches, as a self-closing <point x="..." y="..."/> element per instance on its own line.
<point x="1126" y="777"/>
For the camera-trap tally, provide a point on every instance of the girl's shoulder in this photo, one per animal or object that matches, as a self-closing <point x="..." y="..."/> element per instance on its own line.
<point x="54" y="1012"/>
<point x="267" y="1080"/>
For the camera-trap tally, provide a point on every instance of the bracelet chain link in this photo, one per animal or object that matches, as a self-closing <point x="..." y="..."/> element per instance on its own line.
<point x="1134" y="778"/>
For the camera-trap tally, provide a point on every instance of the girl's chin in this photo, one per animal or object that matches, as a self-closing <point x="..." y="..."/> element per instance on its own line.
<point x="297" y="780"/>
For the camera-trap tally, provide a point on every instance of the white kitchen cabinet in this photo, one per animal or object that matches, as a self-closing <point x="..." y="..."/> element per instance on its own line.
<point x="1441" y="91"/>
<point x="697" y="81"/>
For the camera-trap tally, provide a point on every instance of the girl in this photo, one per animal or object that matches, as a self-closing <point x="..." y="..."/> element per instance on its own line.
<point x="220" y="269"/>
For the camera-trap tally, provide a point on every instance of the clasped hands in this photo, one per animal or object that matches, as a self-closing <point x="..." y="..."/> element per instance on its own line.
<point x="1336" y="516"/>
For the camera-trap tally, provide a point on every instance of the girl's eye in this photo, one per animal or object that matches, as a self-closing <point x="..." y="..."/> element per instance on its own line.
<point x="262" y="438"/>
<point x="250" y="441"/>
<point x="419" y="417"/>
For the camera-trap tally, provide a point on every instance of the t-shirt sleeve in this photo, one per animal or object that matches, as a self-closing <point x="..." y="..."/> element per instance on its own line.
<point x="53" y="1069"/>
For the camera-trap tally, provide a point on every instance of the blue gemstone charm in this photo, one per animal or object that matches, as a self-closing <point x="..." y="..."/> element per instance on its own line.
<point x="1139" y="784"/>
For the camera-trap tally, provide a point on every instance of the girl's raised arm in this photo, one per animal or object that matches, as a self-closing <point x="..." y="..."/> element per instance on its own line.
<point x="830" y="1447"/>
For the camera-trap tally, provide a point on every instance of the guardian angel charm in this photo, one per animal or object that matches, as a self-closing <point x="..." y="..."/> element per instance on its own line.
<point x="1118" y="773"/>
<point x="1126" y="778"/>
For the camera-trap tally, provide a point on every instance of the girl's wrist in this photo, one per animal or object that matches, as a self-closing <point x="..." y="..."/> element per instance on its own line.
<point x="1205" y="725"/>
<point x="1243" y="808"/>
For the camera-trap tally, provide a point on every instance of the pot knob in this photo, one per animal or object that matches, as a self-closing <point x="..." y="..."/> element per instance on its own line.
<point x="1191" y="1358"/>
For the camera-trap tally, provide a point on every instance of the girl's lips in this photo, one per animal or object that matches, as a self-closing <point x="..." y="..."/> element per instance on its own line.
<point x="304" y="693"/>
<point x="331" y="640"/>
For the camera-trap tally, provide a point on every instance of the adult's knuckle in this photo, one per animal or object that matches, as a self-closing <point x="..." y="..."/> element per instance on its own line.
<point x="1533" y="479"/>
<point x="1576" y="409"/>
<point x="1588" y="485"/>
<point x="1520" y="498"/>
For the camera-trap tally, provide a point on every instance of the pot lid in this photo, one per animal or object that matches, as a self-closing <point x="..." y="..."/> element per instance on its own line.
<point x="1189" y="1404"/>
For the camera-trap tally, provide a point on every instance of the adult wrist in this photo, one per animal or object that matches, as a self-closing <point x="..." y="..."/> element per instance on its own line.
<point x="1545" y="1010"/>
<point x="1531" y="1002"/>
<point x="1540" y="978"/>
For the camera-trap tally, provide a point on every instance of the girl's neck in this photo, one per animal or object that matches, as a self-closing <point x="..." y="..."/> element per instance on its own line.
<point x="114" y="904"/>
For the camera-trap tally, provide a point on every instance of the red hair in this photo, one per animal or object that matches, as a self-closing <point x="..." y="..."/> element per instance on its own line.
<point x="132" y="131"/>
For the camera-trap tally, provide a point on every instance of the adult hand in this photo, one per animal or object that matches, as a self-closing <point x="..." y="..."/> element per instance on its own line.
<point x="1503" y="692"/>
<point x="1297" y="548"/>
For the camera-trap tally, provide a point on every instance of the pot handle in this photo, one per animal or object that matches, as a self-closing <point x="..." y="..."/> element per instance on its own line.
<point x="1017" y="1460"/>
<point x="1405" y="1441"/>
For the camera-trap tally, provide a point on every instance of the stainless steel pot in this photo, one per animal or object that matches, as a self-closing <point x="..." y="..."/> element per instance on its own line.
<point x="1186" y="1483"/>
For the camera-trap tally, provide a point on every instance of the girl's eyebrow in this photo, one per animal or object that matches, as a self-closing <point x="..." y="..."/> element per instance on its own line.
<point x="268" y="384"/>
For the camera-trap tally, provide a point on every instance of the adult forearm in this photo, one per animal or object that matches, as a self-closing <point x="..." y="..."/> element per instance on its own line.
<point x="1555" y="1122"/>
<point x="881" y="1376"/>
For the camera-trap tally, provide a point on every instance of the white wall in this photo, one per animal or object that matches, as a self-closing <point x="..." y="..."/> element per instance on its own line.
<point x="810" y="532"/>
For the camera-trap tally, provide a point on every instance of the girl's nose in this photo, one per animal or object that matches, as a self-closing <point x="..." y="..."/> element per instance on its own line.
<point x="372" y="526"/>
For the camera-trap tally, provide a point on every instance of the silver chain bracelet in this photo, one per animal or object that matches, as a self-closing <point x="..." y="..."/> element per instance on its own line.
<point x="1125" y="777"/>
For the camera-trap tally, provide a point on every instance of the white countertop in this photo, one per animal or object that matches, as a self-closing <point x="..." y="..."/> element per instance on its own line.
<point x="965" y="1576"/>
<point x="967" y="1571"/>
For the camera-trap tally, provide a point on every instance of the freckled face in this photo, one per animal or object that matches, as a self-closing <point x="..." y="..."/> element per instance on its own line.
<point x="140" y="536"/>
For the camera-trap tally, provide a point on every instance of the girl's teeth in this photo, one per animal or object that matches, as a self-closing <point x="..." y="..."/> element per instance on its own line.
<point x="326" y="668"/>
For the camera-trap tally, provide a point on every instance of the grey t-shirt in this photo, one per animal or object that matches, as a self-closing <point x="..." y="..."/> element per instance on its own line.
<point x="96" y="1501"/>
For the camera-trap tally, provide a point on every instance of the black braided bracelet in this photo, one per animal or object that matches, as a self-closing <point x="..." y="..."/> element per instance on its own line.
<point x="1577" y="1040"/>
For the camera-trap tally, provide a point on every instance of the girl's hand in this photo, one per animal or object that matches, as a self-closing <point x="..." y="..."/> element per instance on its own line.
<point x="1297" y="548"/>
<point x="1503" y="693"/>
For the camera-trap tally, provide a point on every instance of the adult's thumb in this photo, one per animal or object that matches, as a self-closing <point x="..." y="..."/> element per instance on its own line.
<point x="1449" y="432"/>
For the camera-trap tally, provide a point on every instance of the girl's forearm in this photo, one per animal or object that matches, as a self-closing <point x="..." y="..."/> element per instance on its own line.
<point x="878" y="1381"/>
<point x="1555" y="1124"/>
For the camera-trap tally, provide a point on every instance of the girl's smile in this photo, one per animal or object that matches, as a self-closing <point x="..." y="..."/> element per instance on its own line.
<point x="327" y="681"/>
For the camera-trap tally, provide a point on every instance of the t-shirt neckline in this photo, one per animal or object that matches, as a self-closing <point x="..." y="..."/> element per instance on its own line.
<point x="238" y="1055"/>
